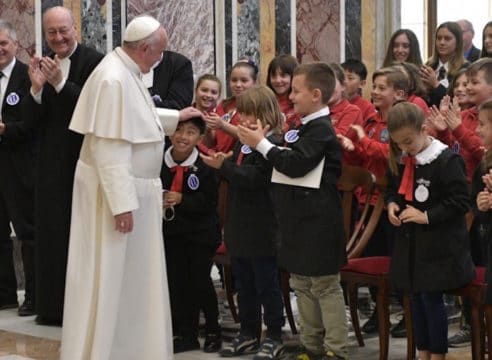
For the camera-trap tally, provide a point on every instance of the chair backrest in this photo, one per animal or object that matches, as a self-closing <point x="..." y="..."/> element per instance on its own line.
<point x="359" y="229"/>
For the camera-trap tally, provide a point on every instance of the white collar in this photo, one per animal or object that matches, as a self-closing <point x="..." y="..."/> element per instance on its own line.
<point x="444" y="65"/>
<point x="430" y="153"/>
<point x="168" y="158"/>
<point x="7" y="70"/>
<point x="323" y="112"/>
<point x="128" y="61"/>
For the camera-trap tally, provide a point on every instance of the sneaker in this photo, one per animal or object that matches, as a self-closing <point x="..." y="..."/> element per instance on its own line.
<point x="461" y="338"/>
<point x="400" y="329"/>
<point x="241" y="344"/>
<point x="213" y="342"/>
<point x="305" y="354"/>
<point x="372" y="325"/>
<point x="269" y="349"/>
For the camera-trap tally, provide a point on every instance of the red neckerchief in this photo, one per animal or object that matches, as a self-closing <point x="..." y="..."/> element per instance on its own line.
<point x="406" y="185"/>
<point x="177" y="184"/>
<point x="239" y="159"/>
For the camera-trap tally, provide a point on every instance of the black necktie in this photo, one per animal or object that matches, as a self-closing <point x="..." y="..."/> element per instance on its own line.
<point x="441" y="74"/>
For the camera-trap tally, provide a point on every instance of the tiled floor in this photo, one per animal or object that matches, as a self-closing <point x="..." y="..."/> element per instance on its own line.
<point x="22" y="339"/>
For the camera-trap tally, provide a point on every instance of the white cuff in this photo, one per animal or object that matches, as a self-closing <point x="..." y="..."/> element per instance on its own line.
<point x="264" y="147"/>
<point x="59" y="87"/>
<point x="37" y="97"/>
<point x="119" y="188"/>
<point x="169" y="120"/>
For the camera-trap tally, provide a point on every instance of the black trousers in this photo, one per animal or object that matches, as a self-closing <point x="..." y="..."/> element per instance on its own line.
<point x="16" y="207"/>
<point x="189" y="260"/>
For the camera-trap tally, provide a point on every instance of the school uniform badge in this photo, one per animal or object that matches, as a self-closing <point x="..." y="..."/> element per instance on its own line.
<point x="456" y="147"/>
<point x="384" y="136"/>
<point x="193" y="182"/>
<point x="12" y="99"/>
<point x="245" y="149"/>
<point x="422" y="190"/>
<point x="291" y="136"/>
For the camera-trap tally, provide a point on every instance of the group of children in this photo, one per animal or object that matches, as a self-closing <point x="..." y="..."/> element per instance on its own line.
<point x="280" y="148"/>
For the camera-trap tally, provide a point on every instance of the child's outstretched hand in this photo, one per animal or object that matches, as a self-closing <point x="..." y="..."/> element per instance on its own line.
<point x="253" y="136"/>
<point x="411" y="214"/>
<point x="359" y="130"/>
<point x="393" y="210"/>
<point x="215" y="160"/>
<point x="345" y="142"/>
<point x="436" y="119"/>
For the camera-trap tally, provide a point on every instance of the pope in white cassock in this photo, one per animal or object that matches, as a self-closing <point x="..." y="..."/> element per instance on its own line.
<point x="116" y="297"/>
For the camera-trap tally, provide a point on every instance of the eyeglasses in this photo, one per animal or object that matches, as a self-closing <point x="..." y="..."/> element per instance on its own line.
<point x="54" y="32"/>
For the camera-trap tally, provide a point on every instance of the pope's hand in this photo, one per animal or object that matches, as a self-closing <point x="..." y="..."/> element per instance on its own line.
<point x="188" y="113"/>
<point x="124" y="222"/>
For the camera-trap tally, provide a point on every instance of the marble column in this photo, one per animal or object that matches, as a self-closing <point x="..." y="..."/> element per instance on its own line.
<point x="352" y="29"/>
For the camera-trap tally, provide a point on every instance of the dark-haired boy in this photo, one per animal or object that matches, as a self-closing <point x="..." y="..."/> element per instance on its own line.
<point x="190" y="202"/>
<point x="355" y="80"/>
<point x="307" y="202"/>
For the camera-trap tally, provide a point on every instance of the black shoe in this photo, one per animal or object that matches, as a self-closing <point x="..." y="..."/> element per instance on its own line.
<point x="213" y="343"/>
<point x="372" y="325"/>
<point x="185" y="344"/>
<point x="46" y="321"/>
<point x="399" y="330"/>
<point x="27" y="309"/>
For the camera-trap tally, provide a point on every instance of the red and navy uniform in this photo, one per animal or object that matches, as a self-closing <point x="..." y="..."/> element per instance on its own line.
<point x="343" y="115"/>
<point x="464" y="141"/>
<point x="366" y="107"/>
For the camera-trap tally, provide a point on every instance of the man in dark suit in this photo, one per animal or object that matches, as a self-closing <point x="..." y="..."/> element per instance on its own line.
<point x="171" y="82"/>
<point x="470" y="52"/>
<point x="16" y="181"/>
<point x="56" y="84"/>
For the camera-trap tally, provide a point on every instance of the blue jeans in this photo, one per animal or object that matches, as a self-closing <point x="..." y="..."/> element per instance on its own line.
<point x="430" y="322"/>
<point x="257" y="285"/>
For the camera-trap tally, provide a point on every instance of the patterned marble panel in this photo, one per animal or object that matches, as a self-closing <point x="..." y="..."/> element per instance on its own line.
<point x="352" y="29"/>
<point x="282" y="27"/>
<point x="117" y="21"/>
<point x="29" y="347"/>
<point x="189" y="24"/>
<point x="21" y="14"/>
<point x="248" y="29"/>
<point x="318" y="30"/>
<point x="93" y="27"/>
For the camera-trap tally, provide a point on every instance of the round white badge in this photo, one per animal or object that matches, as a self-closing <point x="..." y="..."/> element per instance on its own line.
<point x="291" y="136"/>
<point x="12" y="99"/>
<point x="193" y="182"/>
<point x="421" y="193"/>
<point x="245" y="149"/>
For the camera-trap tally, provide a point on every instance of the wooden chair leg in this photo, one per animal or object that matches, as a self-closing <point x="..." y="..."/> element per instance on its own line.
<point x="407" y="310"/>
<point x="488" y="324"/>
<point x="382" y="304"/>
<point x="284" y="285"/>
<point x="352" y="300"/>
<point x="476" y="332"/>
<point x="230" y="292"/>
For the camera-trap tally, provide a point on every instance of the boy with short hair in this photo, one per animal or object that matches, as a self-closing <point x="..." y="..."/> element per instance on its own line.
<point x="356" y="74"/>
<point x="312" y="246"/>
<point x="190" y="202"/>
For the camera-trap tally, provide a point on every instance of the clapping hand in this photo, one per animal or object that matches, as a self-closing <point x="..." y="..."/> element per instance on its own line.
<point x="216" y="160"/>
<point x="253" y="135"/>
<point x="36" y="75"/>
<point x="51" y="70"/>
<point x="436" y="119"/>
<point x="345" y="142"/>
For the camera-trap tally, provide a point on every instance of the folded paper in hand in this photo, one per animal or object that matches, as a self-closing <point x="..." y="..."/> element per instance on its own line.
<point x="311" y="180"/>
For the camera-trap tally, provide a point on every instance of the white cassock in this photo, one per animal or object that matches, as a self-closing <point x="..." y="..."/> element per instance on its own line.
<point x="116" y="297"/>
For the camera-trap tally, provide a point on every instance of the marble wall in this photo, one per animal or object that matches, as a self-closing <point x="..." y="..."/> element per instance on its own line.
<point x="352" y="29"/>
<point x="190" y="26"/>
<point x="21" y="14"/>
<point x="318" y="30"/>
<point x="93" y="24"/>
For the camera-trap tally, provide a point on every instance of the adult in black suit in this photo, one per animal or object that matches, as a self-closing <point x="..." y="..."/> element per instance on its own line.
<point x="56" y="84"/>
<point x="16" y="181"/>
<point x="172" y="81"/>
<point x="470" y="51"/>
